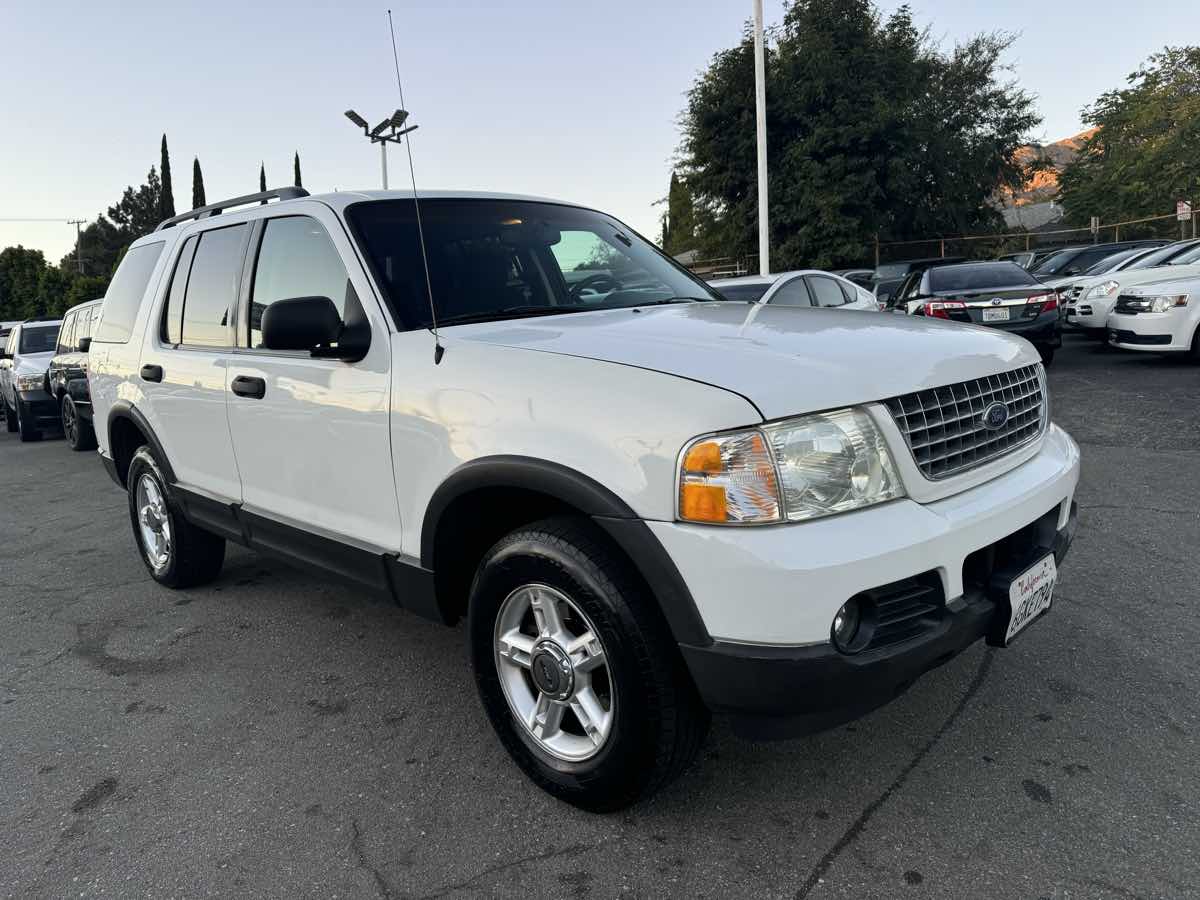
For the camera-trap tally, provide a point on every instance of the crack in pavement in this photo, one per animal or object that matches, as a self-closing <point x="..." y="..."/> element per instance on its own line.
<point x="381" y="884"/>
<point x="857" y="827"/>
<point x="570" y="850"/>
<point x="1131" y="508"/>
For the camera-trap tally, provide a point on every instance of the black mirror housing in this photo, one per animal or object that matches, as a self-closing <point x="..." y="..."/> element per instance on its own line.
<point x="84" y="345"/>
<point x="301" y="323"/>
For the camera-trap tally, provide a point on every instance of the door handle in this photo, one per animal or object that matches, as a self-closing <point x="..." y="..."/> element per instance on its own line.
<point x="152" y="373"/>
<point x="247" y="386"/>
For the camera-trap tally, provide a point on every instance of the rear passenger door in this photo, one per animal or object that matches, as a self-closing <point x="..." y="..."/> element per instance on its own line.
<point x="184" y="367"/>
<point x="312" y="436"/>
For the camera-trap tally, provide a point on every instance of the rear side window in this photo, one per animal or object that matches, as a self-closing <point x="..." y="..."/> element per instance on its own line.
<point x="793" y="293"/>
<point x="172" y="327"/>
<point x="743" y="293"/>
<point x="65" y="339"/>
<point x="83" y="324"/>
<point x="212" y="287"/>
<point x="826" y="292"/>
<point x="296" y="259"/>
<point x="124" y="296"/>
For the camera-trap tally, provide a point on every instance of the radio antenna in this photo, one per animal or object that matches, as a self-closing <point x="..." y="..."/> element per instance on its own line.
<point x="438" y="349"/>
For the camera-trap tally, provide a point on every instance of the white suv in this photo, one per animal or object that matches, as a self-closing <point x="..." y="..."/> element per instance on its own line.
<point x="24" y="359"/>
<point x="647" y="502"/>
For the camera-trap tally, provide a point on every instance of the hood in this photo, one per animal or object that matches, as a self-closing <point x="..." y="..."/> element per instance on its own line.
<point x="33" y="363"/>
<point x="1141" y="276"/>
<point x="784" y="360"/>
<point x="1183" y="283"/>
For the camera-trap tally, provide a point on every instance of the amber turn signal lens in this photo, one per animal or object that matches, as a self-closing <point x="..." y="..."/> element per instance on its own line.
<point x="704" y="457"/>
<point x="703" y="503"/>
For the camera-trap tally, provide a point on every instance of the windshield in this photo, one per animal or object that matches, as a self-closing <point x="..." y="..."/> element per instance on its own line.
<point x="750" y="293"/>
<point x="891" y="270"/>
<point x="1111" y="262"/>
<point x="1054" y="262"/>
<point x="978" y="277"/>
<point x="1186" y="258"/>
<point x="38" y="340"/>
<point x="1160" y="256"/>
<point x="496" y="259"/>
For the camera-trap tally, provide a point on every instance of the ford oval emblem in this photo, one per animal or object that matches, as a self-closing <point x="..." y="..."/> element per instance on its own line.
<point x="995" y="416"/>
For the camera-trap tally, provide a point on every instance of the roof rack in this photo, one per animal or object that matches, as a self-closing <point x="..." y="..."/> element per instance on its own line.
<point x="213" y="209"/>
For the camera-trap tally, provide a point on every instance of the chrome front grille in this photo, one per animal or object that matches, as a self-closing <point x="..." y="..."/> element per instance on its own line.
<point x="944" y="426"/>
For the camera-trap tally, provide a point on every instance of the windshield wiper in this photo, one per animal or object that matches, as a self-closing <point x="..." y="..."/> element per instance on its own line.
<point x="666" y="301"/>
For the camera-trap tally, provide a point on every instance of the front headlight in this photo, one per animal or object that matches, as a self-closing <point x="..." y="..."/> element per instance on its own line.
<point x="1165" y="303"/>
<point x="798" y="469"/>
<point x="31" y="382"/>
<point x="1101" y="290"/>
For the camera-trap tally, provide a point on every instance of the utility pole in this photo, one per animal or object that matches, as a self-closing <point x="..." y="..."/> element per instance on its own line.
<point x="760" y="112"/>
<point x="78" y="243"/>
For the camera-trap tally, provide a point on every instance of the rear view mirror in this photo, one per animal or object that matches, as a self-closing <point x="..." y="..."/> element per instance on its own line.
<point x="301" y="323"/>
<point x="85" y="344"/>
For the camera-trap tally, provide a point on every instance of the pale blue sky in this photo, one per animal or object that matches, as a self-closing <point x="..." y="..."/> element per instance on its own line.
<point x="553" y="97"/>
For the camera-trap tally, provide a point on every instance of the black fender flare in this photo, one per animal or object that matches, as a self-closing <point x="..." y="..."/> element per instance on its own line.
<point x="592" y="499"/>
<point x="123" y="409"/>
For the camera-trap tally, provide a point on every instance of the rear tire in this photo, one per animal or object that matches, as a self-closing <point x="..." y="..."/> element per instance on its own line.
<point x="176" y="552"/>
<point x="611" y="657"/>
<point x="25" y="425"/>
<point x="78" y="433"/>
<point x="1194" y="353"/>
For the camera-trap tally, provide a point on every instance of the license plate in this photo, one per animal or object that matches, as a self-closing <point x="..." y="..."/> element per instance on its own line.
<point x="1030" y="595"/>
<point x="995" y="315"/>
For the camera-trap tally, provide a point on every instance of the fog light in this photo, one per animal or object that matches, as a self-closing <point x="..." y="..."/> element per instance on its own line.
<point x="845" y="626"/>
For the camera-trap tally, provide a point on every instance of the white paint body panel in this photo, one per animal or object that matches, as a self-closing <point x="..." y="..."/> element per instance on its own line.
<point x="1101" y="307"/>
<point x="783" y="584"/>
<point x="1181" y="322"/>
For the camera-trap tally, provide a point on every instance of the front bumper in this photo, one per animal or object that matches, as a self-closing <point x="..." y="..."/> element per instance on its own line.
<point x="41" y="407"/>
<point x="1169" y="332"/>
<point x="1089" y="314"/>
<point x="768" y="595"/>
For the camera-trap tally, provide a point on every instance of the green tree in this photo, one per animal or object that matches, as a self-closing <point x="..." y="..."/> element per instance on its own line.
<point x="20" y="275"/>
<point x="1142" y="158"/>
<point x="679" y="221"/>
<point x="262" y="179"/>
<point x="872" y="129"/>
<point x="296" y="166"/>
<point x="166" y="197"/>
<point x="54" y="283"/>
<point x="197" y="184"/>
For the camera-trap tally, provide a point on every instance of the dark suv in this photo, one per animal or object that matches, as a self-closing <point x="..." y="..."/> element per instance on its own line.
<point x="1077" y="260"/>
<point x="67" y="375"/>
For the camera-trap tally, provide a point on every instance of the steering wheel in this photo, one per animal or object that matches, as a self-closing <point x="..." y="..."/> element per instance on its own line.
<point x="602" y="283"/>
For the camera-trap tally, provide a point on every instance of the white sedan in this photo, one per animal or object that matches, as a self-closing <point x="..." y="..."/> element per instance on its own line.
<point x="1160" y="316"/>
<point x="804" y="287"/>
<point x="1090" y="301"/>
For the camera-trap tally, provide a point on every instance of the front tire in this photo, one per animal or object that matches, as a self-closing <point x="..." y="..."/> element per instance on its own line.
<point x="176" y="552"/>
<point x="10" y="417"/>
<point x="26" y="427"/>
<point x="78" y="433"/>
<point x="577" y="670"/>
<point x="1047" y="354"/>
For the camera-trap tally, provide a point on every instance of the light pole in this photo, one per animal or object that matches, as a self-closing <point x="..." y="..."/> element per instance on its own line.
<point x="393" y="125"/>
<point x="760" y="113"/>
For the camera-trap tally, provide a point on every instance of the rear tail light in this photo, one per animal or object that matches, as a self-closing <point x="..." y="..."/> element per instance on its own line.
<point x="1040" y="303"/>
<point x="941" y="309"/>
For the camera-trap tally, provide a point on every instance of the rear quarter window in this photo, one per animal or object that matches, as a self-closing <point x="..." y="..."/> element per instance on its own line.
<point x="124" y="296"/>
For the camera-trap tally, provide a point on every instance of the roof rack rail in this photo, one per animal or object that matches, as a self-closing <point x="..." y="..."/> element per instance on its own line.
<point x="213" y="209"/>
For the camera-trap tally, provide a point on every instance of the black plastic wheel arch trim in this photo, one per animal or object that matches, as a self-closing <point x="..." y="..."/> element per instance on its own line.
<point x="592" y="499"/>
<point x="123" y="409"/>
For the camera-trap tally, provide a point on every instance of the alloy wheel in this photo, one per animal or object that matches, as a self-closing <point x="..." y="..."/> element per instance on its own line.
<point x="554" y="672"/>
<point x="154" y="523"/>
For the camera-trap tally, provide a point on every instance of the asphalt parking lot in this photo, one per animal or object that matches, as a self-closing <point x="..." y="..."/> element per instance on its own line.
<point x="276" y="735"/>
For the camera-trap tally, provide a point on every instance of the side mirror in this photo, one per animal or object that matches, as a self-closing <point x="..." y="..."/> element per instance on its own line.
<point x="301" y="323"/>
<point x="85" y="344"/>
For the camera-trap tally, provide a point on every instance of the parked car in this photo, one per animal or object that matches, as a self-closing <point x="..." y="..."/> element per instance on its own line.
<point x="637" y="500"/>
<point x="28" y="407"/>
<point x="806" y="288"/>
<point x="1024" y="258"/>
<point x="998" y="294"/>
<point x="1077" y="260"/>
<point x="1159" y="316"/>
<point x="67" y="375"/>
<point x="889" y="276"/>
<point x="864" y="278"/>
<point x="1090" y="301"/>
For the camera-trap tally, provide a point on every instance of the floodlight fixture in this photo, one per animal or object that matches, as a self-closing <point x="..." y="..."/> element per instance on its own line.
<point x="356" y="118"/>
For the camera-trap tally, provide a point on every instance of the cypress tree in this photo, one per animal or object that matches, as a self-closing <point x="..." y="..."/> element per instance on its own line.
<point x="296" y="164"/>
<point x="197" y="185"/>
<point x="166" y="198"/>
<point x="262" y="179"/>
